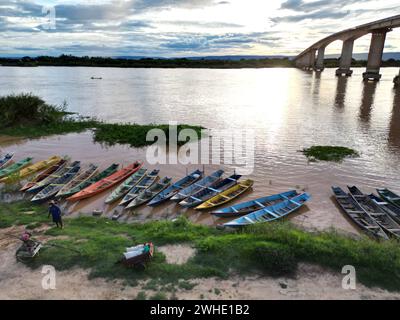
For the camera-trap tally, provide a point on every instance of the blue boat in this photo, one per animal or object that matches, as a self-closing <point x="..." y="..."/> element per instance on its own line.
<point x="176" y="187"/>
<point x="270" y="213"/>
<point x="254" y="205"/>
<point x="5" y="160"/>
<point x="197" y="186"/>
<point x="209" y="192"/>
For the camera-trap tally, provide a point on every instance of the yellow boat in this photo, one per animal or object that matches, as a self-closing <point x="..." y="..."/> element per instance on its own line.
<point x="227" y="195"/>
<point x="27" y="171"/>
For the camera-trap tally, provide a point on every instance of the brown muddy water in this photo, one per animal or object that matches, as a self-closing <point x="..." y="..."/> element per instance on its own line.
<point x="288" y="110"/>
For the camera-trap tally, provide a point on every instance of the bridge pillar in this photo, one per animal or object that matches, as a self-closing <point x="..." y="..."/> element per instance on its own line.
<point x="345" y="58"/>
<point x="307" y="61"/>
<point x="319" y="66"/>
<point x="375" y="55"/>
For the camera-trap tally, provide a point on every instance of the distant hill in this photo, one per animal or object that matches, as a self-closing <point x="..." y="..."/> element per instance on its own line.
<point x="228" y="57"/>
<point x="364" y="56"/>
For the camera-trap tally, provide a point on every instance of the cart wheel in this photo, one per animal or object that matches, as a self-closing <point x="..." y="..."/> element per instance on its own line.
<point x="22" y="256"/>
<point x="140" y="266"/>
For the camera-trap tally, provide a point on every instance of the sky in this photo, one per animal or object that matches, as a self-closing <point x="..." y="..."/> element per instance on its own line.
<point x="178" y="28"/>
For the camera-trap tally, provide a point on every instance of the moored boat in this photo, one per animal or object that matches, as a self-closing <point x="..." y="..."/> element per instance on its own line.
<point x="176" y="187"/>
<point x="390" y="208"/>
<point x="52" y="189"/>
<point x="14" y="168"/>
<point x="270" y="213"/>
<point x="125" y="186"/>
<point x="254" y="205"/>
<point x="377" y="213"/>
<point x="227" y="195"/>
<point x="6" y="159"/>
<point x="197" y="186"/>
<point x="106" y="183"/>
<point x="90" y="172"/>
<point x="149" y="193"/>
<point x="389" y="196"/>
<point x="63" y="168"/>
<point x="211" y="191"/>
<point x="145" y="183"/>
<point x="104" y="174"/>
<point x="32" y="169"/>
<point x="43" y="175"/>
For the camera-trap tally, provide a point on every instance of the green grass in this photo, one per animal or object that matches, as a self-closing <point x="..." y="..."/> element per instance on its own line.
<point x="270" y="249"/>
<point x="44" y="120"/>
<point x="329" y="153"/>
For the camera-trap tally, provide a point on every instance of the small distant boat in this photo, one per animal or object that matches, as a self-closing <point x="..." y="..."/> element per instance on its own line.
<point x="389" y="196"/>
<point x="32" y="169"/>
<point x="145" y="183"/>
<point x="104" y="174"/>
<point x="358" y="215"/>
<point x="43" y="175"/>
<point x="391" y="227"/>
<point x="197" y="186"/>
<point x="62" y="169"/>
<point x="390" y="208"/>
<point x="11" y="169"/>
<point x="90" y="172"/>
<point x="176" y="187"/>
<point x="254" y="205"/>
<point x="106" y="183"/>
<point x="270" y="213"/>
<point x="211" y="191"/>
<point x="96" y="78"/>
<point x="227" y="195"/>
<point x="4" y="161"/>
<point x="149" y="193"/>
<point x="127" y="185"/>
<point x="52" y="189"/>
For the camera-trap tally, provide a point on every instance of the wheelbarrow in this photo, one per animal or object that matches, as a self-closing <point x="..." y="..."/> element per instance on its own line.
<point x="134" y="257"/>
<point x="28" y="250"/>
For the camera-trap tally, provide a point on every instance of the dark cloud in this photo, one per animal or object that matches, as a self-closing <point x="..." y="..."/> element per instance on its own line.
<point x="321" y="14"/>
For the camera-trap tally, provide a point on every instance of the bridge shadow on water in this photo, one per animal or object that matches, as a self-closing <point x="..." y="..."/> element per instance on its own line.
<point x="367" y="101"/>
<point x="341" y="88"/>
<point x="394" y="126"/>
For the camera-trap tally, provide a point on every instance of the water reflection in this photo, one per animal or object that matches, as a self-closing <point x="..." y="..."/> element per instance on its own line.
<point x="341" y="88"/>
<point x="394" y="126"/>
<point x="367" y="101"/>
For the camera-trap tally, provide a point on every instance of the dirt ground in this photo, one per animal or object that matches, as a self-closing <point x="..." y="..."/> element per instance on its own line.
<point x="311" y="282"/>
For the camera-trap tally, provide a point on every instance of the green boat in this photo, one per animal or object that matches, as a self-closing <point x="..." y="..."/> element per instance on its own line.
<point x="104" y="174"/>
<point x="127" y="185"/>
<point x="389" y="196"/>
<point x="15" y="167"/>
<point x="147" y="194"/>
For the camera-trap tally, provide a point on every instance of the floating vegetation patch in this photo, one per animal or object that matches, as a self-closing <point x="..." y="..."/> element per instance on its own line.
<point x="329" y="153"/>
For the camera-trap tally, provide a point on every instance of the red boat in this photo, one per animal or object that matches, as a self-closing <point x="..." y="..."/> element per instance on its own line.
<point x="106" y="183"/>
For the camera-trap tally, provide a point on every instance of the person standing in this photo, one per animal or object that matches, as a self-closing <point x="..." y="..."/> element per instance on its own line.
<point x="55" y="213"/>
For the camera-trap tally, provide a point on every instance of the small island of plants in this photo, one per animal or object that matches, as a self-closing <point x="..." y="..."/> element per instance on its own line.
<point x="329" y="153"/>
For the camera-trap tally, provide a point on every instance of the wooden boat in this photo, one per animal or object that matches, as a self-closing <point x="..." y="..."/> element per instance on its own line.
<point x="127" y="185"/>
<point x="4" y="161"/>
<point x="90" y="172"/>
<point x="63" y="168"/>
<point x="11" y="169"/>
<point x="176" y="187"/>
<point x="149" y="193"/>
<point x="389" y="196"/>
<point x="227" y="195"/>
<point x="106" y="183"/>
<point x="52" y="189"/>
<point x="43" y="175"/>
<point x="211" y="191"/>
<point x="197" y="186"/>
<point x="254" y="205"/>
<point x="358" y="215"/>
<point x="270" y="213"/>
<point x="378" y="214"/>
<point x="32" y="169"/>
<point x="104" y="174"/>
<point x="145" y="183"/>
<point x="390" y="208"/>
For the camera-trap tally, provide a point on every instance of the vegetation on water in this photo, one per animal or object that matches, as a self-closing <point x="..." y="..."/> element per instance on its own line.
<point x="29" y="116"/>
<point x="329" y="153"/>
<point x="72" y="61"/>
<point x="273" y="249"/>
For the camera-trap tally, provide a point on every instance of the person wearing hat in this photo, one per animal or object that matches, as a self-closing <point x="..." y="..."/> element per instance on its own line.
<point x="55" y="213"/>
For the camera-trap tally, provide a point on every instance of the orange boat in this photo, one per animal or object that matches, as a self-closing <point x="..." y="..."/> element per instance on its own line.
<point x="106" y="183"/>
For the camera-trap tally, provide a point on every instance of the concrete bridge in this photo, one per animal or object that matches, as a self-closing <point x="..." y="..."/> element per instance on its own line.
<point x="313" y="57"/>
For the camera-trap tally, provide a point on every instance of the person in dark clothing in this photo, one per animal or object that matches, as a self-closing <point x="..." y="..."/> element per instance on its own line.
<point x="55" y="213"/>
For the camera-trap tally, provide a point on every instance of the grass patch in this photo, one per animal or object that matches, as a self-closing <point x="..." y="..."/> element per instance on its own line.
<point x="271" y="249"/>
<point x="329" y="153"/>
<point x="26" y="115"/>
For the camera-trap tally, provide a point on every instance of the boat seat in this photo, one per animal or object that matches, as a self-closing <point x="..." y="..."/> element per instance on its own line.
<point x="194" y="198"/>
<point x="394" y="230"/>
<point x="271" y="213"/>
<point x="259" y="204"/>
<point x="248" y="219"/>
<point x="212" y="189"/>
<point x="355" y="212"/>
<point x="377" y="214"/>
<point x="372" y="227"/>
<point x="234" y="210"/>
<point x="223" y="196"/>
